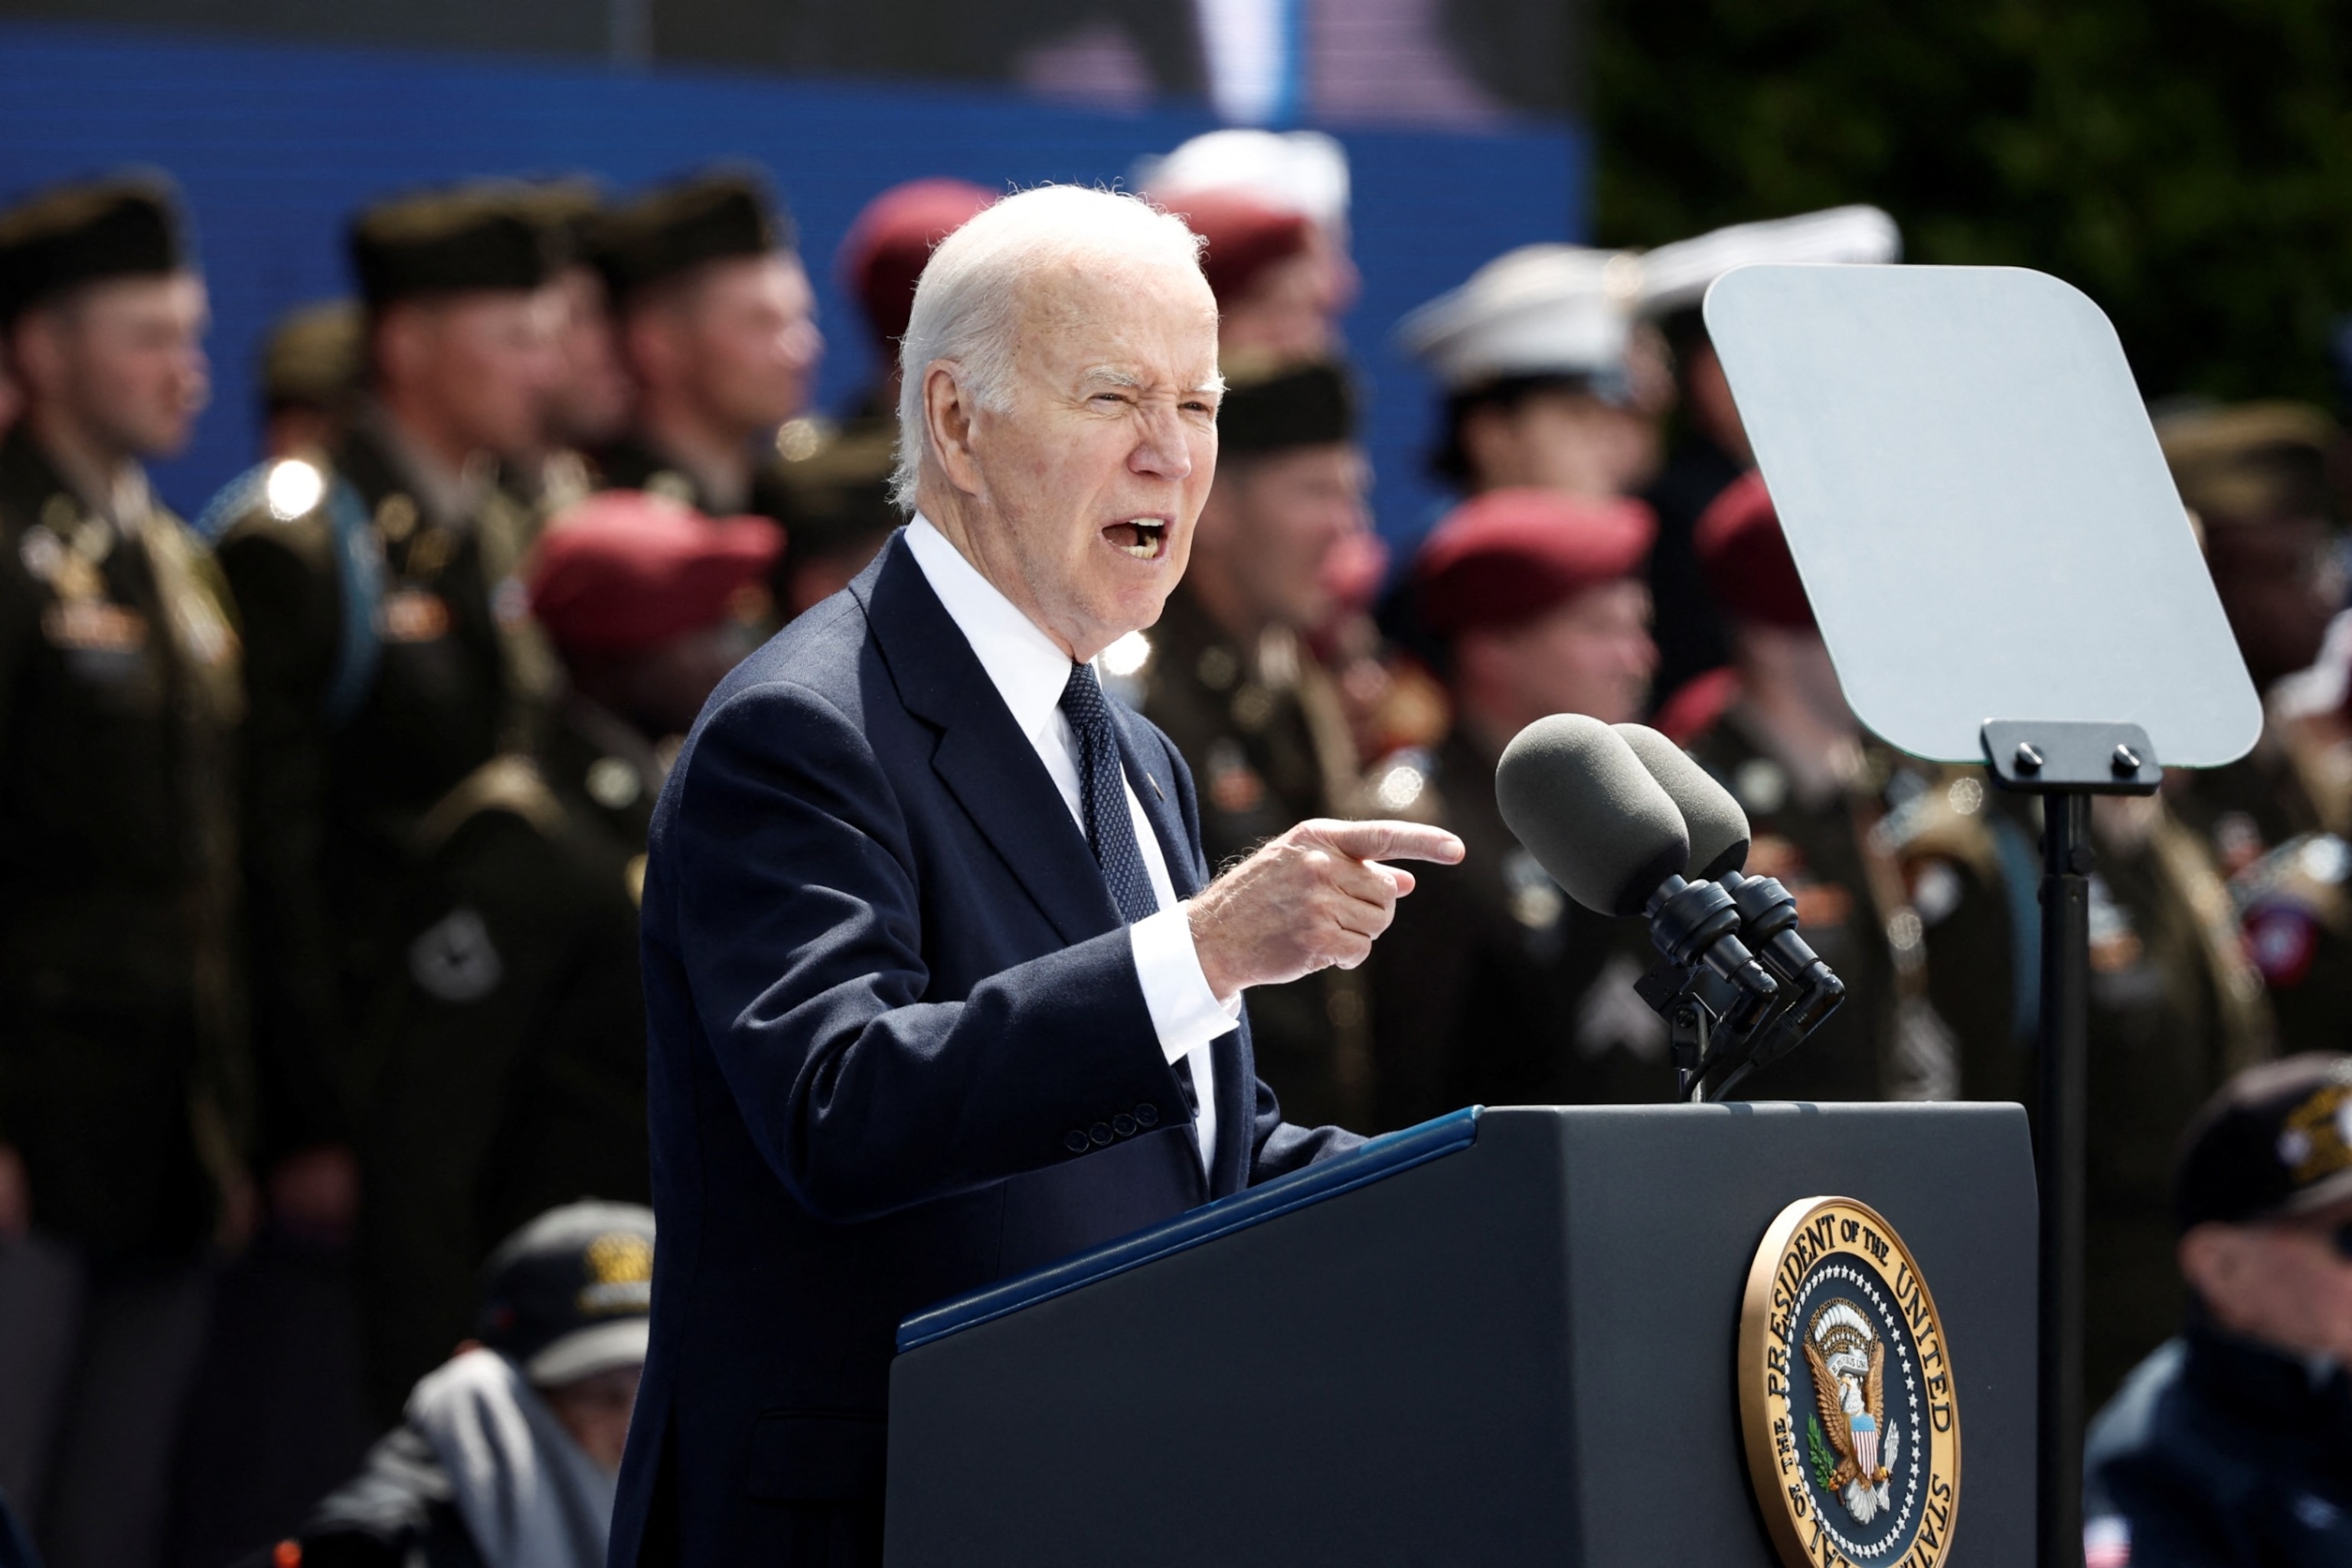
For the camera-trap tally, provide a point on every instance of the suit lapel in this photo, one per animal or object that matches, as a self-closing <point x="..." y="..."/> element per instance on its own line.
<point x="994" y="772"/>
<point x="982" y="758"/>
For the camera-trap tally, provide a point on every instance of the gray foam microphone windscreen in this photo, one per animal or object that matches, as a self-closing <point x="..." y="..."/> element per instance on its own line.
<point x="1585" y="809"/>
<point x="1717" y="827"/>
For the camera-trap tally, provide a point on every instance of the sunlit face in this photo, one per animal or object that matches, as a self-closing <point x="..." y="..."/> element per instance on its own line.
<point x="1274" y="521"/>
<point x="748" y="340"/>
<point x="1590" y="653"/>
<point x="125" y="359"/>
<point x="482" y="361"/>
<point x="1083" y="494"/>
<point x="1292" y="309"/>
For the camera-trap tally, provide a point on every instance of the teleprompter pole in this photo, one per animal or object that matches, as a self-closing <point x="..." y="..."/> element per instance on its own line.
<point x="2065" y="1041"/>
<point x="2065" y="763"/>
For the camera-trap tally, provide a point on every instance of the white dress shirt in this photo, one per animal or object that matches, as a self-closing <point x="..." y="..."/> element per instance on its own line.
<point x="1029" y="672"/>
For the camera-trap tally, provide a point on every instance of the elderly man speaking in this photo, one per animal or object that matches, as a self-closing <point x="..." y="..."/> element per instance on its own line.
<point x="939" y="986"/>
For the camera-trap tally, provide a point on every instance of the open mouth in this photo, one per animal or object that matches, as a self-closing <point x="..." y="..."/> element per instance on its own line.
<point x="1145" y="537"/>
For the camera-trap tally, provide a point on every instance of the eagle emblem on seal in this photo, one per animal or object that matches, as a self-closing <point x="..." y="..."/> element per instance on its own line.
<point x="1853" y="1447"/>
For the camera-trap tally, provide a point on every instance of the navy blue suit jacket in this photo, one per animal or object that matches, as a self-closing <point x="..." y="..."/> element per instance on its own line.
<point x="891" y="1007"/>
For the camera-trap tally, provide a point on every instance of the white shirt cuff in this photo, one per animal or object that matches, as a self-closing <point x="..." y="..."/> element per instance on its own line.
<point x="1184" y="1011"/>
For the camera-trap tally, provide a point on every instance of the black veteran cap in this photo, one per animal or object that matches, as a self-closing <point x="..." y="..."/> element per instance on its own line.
<point x="485" y="236"/>
<point x="1304" y="405"/>
<point x="66" y="236"/>
<point x="715" y="216"/>
<point x="567" y="1296"/>
<point x="2277" y="1140"/>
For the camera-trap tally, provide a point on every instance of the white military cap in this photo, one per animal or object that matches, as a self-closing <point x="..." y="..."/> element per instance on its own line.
<point x="1302" y="172"/>
<point x="1541" y="310"/>
<point x="1675" y="276"/>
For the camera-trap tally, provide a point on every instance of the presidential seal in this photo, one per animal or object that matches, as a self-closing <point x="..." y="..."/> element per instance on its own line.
<point x="1846" y="1395"/>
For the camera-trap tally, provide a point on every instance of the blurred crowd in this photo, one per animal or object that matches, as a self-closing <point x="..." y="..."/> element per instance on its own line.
<point x="323" y="816"/>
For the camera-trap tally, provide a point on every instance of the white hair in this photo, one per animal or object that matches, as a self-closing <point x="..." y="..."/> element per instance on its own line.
<point x="967" y="306"/>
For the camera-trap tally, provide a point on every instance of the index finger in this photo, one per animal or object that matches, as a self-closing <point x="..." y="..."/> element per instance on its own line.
<point x="1390" y="841"/>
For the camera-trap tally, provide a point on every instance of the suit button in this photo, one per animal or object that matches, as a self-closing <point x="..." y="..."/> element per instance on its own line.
<point x="1146" y="1115"/>
<point x="1075" y="1142"/>
<point x="1100" y="1132"/>
<point x="1123" y="1124"/>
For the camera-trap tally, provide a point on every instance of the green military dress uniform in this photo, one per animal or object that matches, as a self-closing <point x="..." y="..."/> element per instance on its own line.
<point x="1492" y="986"/>
<point x="512" y="1074"/>
<point x="1898" y="882"/>
<point x="633" y="463"/>
<point x="1267" y="743"/>
<point x="2273" y="823"/>
<point x="123" y="1079"/>
<point x="2175" y="1009"/>
<point x="387" y="659"/>
<point x="342" y="769"/>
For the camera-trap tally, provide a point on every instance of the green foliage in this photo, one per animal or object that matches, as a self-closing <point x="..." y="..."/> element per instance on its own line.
<point x="1819" y="1453"/>
<point x="2186" y="162"/>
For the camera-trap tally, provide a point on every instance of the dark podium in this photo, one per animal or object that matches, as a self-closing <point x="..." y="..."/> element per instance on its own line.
<point x="1500" y="1337"/>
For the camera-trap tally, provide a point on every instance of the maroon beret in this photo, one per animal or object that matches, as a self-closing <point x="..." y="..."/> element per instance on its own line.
<point x="1746" y="557"/>
<point x="1244" y="239"/>
<point x="891" y="242"/>
<point x="623" y="570"/>
<point x="1507" y="556"/>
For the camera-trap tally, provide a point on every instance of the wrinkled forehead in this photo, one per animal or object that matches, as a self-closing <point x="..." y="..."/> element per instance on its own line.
<point x="1153" y="320"/>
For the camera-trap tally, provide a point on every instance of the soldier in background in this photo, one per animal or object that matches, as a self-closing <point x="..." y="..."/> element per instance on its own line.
<point x="718" y="330"/>
<point x="1231" y="680"/>
<point x="836" y="478"/>
<point x="1273" y="301"/>
<point x="882" y="259"/>
<point x="589" y="397"/>
<point x="1710" y="448"/>
<point x="504" y="1453"/>
<point x="2256" y="475"/>
<point x="513" y="1072"/>
<point x="1234" y="184"/>
<point x="2176" y="1009"/>
<point x="312" y="367"/>
<point x="1896" y="875"/>
<point x="378" y="664"/>
<point x="122" y="1074"/>
<point x="1492" y="985"/>
<point x="2233" y="1444"/>
<point x="2256" y="478"/>
<point x="1282" y="282"/>
<point x="1546" y="388"/>
<point x="1547" y="383"/>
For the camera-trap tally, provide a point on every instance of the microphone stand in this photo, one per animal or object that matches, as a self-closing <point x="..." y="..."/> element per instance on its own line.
<point x="1710" y="982"/>
<point x="1725" y="1013"/>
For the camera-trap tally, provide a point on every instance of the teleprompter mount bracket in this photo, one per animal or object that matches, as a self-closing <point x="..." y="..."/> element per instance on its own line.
<point x="2060" y="756"/>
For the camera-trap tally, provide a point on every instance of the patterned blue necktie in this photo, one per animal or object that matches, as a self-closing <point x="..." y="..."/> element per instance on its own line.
<point x="1102" y="792"/>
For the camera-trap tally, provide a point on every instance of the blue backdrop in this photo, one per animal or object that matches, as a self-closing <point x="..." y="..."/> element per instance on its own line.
<point x="274" y="145"/>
